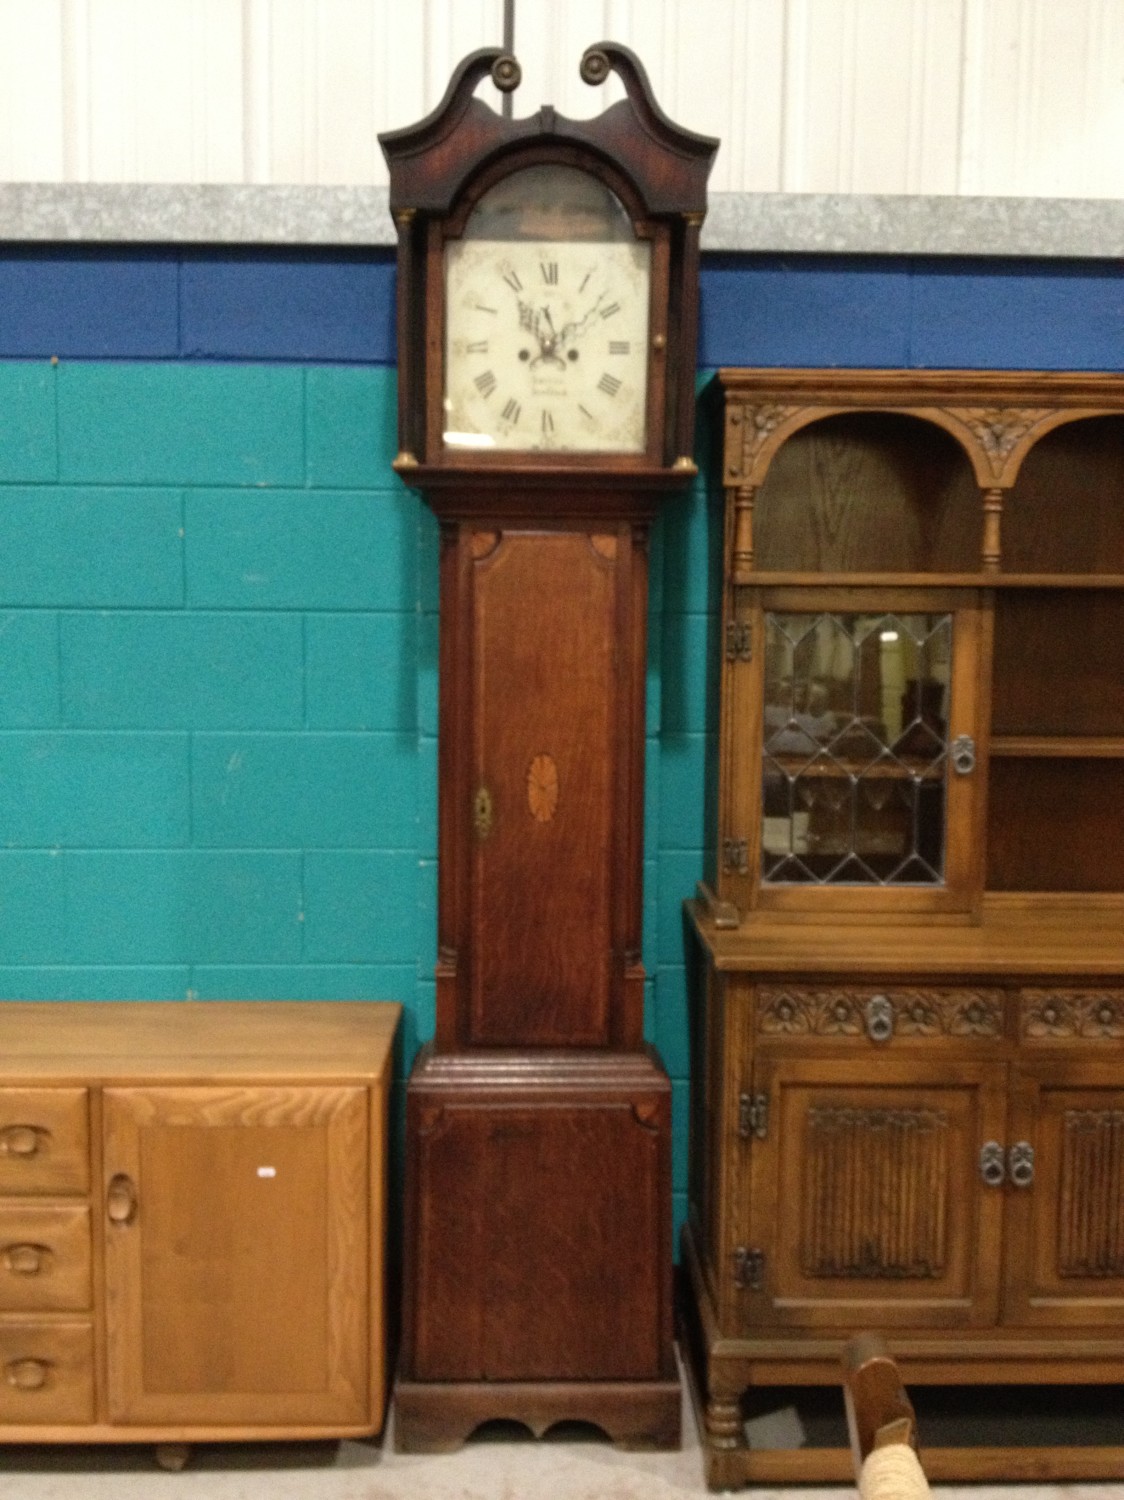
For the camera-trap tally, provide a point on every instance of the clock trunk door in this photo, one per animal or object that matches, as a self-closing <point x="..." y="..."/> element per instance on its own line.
<point x="544" y="712"/>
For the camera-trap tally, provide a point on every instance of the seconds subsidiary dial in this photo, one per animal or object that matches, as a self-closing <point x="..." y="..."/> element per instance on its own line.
<point x="546" y="345"/>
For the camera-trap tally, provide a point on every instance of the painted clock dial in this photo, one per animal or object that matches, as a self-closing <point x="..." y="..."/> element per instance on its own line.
<point x="546" y="333"/>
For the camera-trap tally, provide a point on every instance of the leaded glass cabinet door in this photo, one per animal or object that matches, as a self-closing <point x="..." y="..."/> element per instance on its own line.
<point x="866" y="750"/>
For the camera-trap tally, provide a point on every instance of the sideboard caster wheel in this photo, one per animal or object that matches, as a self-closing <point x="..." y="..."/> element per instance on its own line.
<point x="172" y="1456"/>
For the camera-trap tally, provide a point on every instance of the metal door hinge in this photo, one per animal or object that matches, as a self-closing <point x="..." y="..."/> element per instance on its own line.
<point x="749" y="1268"/>
<point x="753" y="1116"/>
<point x="739" y="640"/>
<point x="735" y="856"/>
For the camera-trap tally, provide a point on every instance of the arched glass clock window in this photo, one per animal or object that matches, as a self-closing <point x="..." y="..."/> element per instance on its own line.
<point x="546" y="320"/>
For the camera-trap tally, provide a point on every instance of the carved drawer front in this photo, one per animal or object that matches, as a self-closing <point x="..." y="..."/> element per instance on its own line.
<point x="1059" y="1013"/>
<point x="44" y="1257"/>
<point x="44" y="1141"/>
<point x="879" y="1013"/>
<point x="46" y="1372"/>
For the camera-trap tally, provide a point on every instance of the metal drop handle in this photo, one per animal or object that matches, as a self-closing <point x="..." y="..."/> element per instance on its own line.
<point x="963" y="750"/>
<point x="1020" y="1164"/>
<point x="993" y="1168"/>
<point x="879" y="1018"/>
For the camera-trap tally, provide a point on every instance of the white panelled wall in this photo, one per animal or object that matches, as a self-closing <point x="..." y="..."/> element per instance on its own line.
<point x="992" y="97"/>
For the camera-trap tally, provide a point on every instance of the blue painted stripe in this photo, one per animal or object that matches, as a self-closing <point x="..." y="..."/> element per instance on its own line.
<point x="328" y="306"/>
<point x="87" y="303"/>
<point x="912" y="312"/>
<point x="260" y="306"/>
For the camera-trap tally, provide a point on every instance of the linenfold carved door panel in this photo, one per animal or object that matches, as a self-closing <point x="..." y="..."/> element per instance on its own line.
<point x="1065" y="1211"/>
<point x="861" y="1197"/>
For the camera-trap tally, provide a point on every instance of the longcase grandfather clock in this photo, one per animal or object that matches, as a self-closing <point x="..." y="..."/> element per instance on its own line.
<point x="547" y="310"/>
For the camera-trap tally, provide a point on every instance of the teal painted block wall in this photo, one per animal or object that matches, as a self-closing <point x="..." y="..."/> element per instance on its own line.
<point x="218" y="754"/>
<point x="218" y="608"/>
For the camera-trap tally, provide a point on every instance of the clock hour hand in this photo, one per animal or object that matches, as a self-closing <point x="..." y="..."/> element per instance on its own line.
<point x="551" y="342"/>
<point x="547" y="339"/>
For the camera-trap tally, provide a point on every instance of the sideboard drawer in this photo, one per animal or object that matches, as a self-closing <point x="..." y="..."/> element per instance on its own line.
<point x="46" y="1372"/>
<point x="880" y="1013"/>
<point x="44" y="1257"/>
<point x="44" y="1141"/>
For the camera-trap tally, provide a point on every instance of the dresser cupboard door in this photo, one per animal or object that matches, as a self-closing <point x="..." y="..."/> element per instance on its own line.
<point x="866" y="1200"/>
<point x="861" y="753"/>
<point x="236" y="1254"/>
<point x="1065" y="1196"/>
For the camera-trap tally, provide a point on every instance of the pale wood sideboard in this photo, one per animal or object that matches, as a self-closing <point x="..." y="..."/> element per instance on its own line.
<point x="192" y="1220"/>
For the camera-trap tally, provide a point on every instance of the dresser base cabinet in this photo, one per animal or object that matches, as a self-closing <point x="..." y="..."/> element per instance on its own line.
<point x="725" y="1372"/>
<point x="192" y="1221"/>
<point x="539" y="1216"/>
<point x="916" y="1130"/>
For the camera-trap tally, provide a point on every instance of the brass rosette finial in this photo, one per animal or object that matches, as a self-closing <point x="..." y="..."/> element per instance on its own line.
<point x="595" y="66"/>
<point x="506" y="73"/>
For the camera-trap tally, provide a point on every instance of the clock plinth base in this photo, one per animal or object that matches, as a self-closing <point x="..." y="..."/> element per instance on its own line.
<point x="437" y="1417"/>
<point x="538" y="1283"/>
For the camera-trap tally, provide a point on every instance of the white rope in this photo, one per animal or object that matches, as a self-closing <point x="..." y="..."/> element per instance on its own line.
<point x="892" y="1473"/>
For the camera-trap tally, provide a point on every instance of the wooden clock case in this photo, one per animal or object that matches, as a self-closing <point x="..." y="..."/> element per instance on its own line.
<point x="538" y="1200"/>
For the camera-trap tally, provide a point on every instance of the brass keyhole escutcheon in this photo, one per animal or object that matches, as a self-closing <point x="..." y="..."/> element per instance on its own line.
<point x="482" y="813"/>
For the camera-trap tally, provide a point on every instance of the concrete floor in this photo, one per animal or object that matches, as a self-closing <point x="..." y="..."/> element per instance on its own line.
<point x="492" y="1467"/>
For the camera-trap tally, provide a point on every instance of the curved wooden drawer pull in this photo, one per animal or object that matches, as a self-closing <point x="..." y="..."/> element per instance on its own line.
<point x="28" y="1374"/>
<point x="22" y="1140"/>
<point x="26" y="1259"/>
<point x="121" y="1200"/>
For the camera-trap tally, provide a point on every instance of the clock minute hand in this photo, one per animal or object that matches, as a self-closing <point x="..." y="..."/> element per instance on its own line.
<point x="579" y="326"/>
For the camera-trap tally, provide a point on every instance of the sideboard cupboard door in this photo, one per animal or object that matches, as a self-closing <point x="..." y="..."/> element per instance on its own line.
<point x="236" y="1254"/>
<point x="1065" y="1196"/>
<point x="866" y="1199"/>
